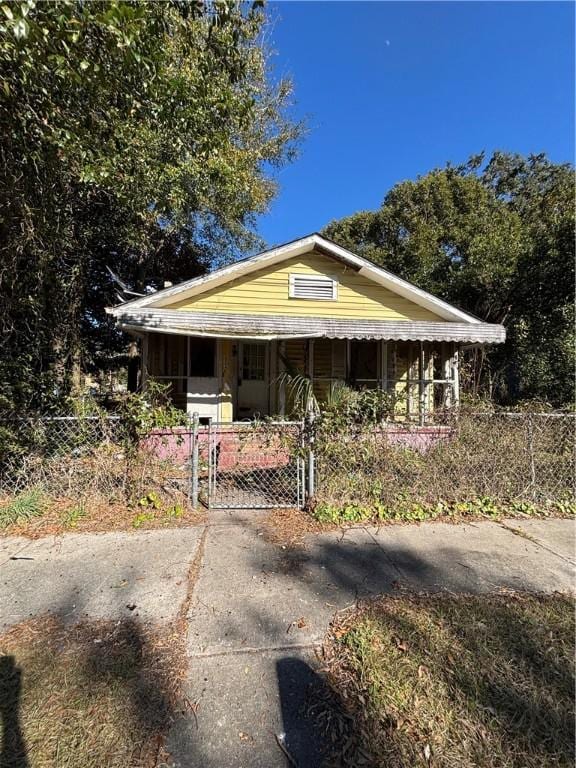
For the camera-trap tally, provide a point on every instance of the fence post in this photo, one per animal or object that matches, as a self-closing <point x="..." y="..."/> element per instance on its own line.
<point x="530" y="435"/>
<point x="311" y="480"/>
<point x="194" y="460"/>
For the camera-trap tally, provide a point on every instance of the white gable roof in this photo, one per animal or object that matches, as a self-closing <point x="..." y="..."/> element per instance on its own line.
<point x="198" y="285"/>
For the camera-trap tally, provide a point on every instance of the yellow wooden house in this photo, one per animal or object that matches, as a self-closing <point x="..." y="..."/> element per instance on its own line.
<point x="229" y="341"/>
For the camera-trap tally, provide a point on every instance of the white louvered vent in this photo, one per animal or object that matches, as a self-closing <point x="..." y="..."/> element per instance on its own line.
<point x="318" y="287"/>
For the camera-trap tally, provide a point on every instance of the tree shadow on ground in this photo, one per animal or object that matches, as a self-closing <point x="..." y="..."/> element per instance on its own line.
<point x="508" y="670"/>
<point x="13" y="753"/>
<point x="122" y="676"/>
<point x="299" y="689"/>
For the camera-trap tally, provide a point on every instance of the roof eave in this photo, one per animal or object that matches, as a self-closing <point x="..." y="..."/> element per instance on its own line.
<point x="295" y="248"/>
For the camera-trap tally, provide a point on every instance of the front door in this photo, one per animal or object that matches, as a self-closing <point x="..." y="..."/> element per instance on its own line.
<point x="203" y="395"/>
<point x="253" y="384"/>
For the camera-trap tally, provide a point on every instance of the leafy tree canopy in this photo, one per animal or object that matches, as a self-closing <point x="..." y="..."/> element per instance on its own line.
<point x="134" y="137"/>
<point x="495" y="237"/>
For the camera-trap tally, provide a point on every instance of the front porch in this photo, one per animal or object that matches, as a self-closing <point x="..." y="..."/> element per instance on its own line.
<point x="232" y="379"/>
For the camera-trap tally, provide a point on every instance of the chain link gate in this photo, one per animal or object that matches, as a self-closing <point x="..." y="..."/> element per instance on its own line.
<point x="251" y="465"/>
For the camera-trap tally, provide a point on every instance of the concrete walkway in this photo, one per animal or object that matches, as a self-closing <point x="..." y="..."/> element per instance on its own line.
<point x="102" y="575"/>
<point x="259" y="612"/>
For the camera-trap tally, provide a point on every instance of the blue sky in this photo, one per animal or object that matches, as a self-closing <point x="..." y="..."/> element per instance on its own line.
<point x="391" y="90"/>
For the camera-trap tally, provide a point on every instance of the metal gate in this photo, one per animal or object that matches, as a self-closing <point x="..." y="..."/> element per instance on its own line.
<point x="252" y="465"/>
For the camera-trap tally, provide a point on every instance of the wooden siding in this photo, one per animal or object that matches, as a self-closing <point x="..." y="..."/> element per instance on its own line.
<point x="266" y="292"/>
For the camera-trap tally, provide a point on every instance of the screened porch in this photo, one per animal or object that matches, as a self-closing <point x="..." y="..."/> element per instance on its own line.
<point x="230" y="379"/>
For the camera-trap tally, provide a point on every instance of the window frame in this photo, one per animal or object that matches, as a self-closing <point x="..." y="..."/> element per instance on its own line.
<point x="254" y="364"/>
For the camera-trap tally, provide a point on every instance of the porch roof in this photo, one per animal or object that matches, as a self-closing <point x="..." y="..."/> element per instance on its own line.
<point x="240" y="326"/>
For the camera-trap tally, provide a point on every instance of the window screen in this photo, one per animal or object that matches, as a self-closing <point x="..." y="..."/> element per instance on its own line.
<point x="364" y="361"/>
<point x="202" y="357"/>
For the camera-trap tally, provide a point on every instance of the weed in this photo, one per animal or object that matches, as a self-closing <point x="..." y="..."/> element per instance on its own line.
<point x="405" y="509"/>
<point x="23" y="507"/>
<point x="142" y="518"/>
<point x="174" y="511"/>
<point x="150" y="500"/>
<point x="72" y="516"/>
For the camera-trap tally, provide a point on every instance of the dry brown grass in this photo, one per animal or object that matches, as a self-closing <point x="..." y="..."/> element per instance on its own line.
<point x="92" y="695"/>
<point x="66" y="515"/>
<point x="507" y="459"/>
<point x="289" y="526"/>
<point x="456" y="681"/>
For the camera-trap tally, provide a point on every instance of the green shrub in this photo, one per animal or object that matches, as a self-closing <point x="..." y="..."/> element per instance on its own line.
<point x="141" y="412"/>
<point x="24" y="506"/>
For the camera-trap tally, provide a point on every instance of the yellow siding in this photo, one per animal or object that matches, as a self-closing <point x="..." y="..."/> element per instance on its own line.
<point x="266" y="292"/>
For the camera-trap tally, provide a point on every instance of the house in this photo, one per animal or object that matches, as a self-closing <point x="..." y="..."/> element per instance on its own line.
<point x="224" y="340"/>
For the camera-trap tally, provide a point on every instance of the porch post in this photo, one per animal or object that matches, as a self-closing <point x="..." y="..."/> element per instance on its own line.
<point x="311" y="360"/>
<point x="144" y="361"/>
<point x="455" y="377"/>
<point x="311" y="369"/>
<point x="273" y="376"/>
<point x="422" y="386"/>
<point x="282" y="370"/>
<point x="384" y="365"/>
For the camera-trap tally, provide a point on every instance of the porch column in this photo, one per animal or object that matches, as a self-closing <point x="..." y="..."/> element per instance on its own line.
<point x="281" y="370"/>
<point x="421" y="386"/>
<point x="448" y="390"/>
<point x="273" y="376"/>
<point x="310" y="361"/>
<point x="455" y="376"/>
<point x="384" y="366"/>
<point x="144" y="361"/>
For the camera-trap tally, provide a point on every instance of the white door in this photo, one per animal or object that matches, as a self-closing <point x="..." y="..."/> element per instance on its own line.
<point x="203" y="396"/>
<point x="253" y="384"/>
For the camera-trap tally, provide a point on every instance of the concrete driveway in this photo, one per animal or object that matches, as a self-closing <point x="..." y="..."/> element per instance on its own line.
<point x="259" y="612"/>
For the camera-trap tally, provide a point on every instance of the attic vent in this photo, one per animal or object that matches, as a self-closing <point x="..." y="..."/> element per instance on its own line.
<point x="316" y="287"/>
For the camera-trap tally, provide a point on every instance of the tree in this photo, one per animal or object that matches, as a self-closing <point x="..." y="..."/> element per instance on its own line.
<point x="495" y="238"/>
<point x="134" y="136"/>
<point x="541" y="335"/>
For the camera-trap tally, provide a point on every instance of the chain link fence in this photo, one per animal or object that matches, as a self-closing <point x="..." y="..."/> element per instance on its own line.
<point x="82" y="457"/>
<point x="251" y="465"/>
<point x="502" y="457"/>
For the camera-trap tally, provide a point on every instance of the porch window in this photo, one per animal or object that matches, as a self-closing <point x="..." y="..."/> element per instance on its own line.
<point x="253" y="362"/>
<point x="202" y="357"/>
<point x="364" y="363"/>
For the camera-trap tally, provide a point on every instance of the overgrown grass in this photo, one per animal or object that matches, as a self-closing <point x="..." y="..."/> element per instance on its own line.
<point x="503" y="460"/>
<point x="443" y="680"/>
<point x="23" y="507"/>
<point x="98" y="694"/>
